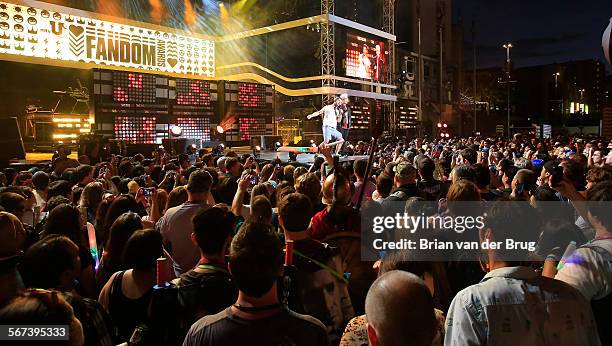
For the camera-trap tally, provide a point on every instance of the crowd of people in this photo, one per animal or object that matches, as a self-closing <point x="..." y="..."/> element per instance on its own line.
<point x="190" y="249"/>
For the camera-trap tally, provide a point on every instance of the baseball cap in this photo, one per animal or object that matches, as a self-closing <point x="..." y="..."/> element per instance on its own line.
<point x="405" y="170"/>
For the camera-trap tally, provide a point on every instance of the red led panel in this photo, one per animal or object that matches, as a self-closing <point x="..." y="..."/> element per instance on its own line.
<point x="196" y="128"/>
<point x="192" y="92"/>
<point x="135" y="130"/>
<point x="251" y="95"/>
<point x="251" y="127"/>
<point x="133" y="87"/>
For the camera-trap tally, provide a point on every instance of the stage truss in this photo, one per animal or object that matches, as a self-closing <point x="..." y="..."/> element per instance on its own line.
<point x="389" y="27"/>
<point x="328" y="56"/>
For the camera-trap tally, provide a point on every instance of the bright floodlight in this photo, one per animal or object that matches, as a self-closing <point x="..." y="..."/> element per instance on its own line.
<point x="220" y="129"/>
<point x="176" y="131"/>
<point x="439" y="125"/>
<point x="258" y="148"/>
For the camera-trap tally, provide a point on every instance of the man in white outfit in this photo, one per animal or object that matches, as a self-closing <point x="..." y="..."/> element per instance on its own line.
<point x="331" y="114"/>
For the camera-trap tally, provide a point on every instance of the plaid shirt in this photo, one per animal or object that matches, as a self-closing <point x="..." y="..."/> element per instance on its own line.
<point x="97" y="325"/>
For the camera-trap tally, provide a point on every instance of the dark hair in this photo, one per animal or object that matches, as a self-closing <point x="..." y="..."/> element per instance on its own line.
<point x="295" y="211"/>
<point x="231" y="162"/>
<point x="39" y="307"/>
<point x="359" y="167"/>
<point x="426" y="167"/>
<point x="40" y="180"/>
<point x="309" y="185"/>
<point x="183" y="157"/>
<point x="176" y="197"/>
<point x="82" y="171"/>
<point x="384" y="184"/>
<point x="512" y="220"/>
<point x="59" y="188"/>
<point x="199" y="181"/>
<point x="256" y="258"/>
<point x="76" y="193"/>
<point x="482" y="175"/>
<point x="121" y="230"/>
<point x="261" y="209"/>
<point x="65" y="219"/>
<point x="121" y="204"/>
<point x="464" y="172"/>
<point x="469" y="154"/>
<point x="55" y="201"/>
<point x="211" y="228"/>
<point x="599" y="197"/>
<point x="46" y="260"/>
<point x="12" y="202"/>
<point x="599" y="174"/>
<point x="143" y="249"/>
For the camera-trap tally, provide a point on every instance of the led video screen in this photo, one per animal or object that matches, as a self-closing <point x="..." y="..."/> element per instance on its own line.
<point x="366" y="58"/>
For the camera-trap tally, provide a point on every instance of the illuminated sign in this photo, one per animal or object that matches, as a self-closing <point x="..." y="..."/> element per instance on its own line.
<point x="34" y="32"/>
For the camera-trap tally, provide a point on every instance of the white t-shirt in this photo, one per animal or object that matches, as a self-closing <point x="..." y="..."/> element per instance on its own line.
<point x="329" y="116"/>
<point x="588" y="271"/>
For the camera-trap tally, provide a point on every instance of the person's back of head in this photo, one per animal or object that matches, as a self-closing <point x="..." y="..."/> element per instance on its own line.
<point x="52" y="262"/>
<point x="256" y="259"/>
<point x="12" y="235"/>
<point x="65" y="219"/>
<point x="40" y="181"/>
<point x="574" y="171"/>
<point x="42" y="308"/>
<point x="399" y="309"/>
<point x="177" y="196"/>
<point x="426" y="168"/>
<point x="212" y="229"/>
<point x="199" y="182"/>
<point x="482" y="175"/>
<point x="142" y="250"/>
<point x="82" y="172"/>
<point x="13" y="203"/>
<point x="516" y="221"/>
<point x="310" y="185"/>
<point x="120" y="231"/>
<point x="469" y="155"/>
<point x="261" y="210"/>
<point x="599" y="197"/>
<point x="294" y="212"/>
<point x="298" y="172"/>
<point x="359" y="167"/>
<point x="59" y="188"/>
<point x="599" y="174"/>
<point x="528" y="180"/>
<point x="463" y="172"/>
<point x="384" y="185"/>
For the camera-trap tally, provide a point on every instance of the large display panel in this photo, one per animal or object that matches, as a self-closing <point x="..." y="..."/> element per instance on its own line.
<point x="366" y="58"/>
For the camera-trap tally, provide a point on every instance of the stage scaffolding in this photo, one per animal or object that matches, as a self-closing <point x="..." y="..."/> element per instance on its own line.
<point x="328" y="56"/>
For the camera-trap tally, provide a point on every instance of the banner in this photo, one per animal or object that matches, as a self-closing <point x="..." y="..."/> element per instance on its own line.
<point x="41" y="33"/>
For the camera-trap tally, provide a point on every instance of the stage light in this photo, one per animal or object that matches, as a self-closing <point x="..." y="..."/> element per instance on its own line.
<point x="445" y="125"/>
<point x="439" y="125"/>
<point x="176" y="131"/>
<point x="220" y="129"/>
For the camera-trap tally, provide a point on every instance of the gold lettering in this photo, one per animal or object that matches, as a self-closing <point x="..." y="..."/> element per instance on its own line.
<point x="125" y="51"/>
<point x="136" y="53"/>
<point x="101" y="51"/>
<point x="90" y="46"/>
<point x="113" y="50"/>
<point x="148" y="57"/>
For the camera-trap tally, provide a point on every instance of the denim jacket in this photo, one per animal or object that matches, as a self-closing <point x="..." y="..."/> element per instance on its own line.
<point x="516" y="306"/>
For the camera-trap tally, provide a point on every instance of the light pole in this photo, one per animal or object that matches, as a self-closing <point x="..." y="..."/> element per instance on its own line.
<point x="556" y="75"/>
<point x="508" y="46"/>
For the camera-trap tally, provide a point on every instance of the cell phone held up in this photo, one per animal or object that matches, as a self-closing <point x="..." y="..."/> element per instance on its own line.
<point x="556" y="176"/>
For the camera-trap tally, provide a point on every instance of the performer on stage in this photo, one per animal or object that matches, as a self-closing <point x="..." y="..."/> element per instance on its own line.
<point x="379" y="63"/>
<point x="331" y="116"/>
<point x="364" y="63"/>
<point x="345" y="117"/>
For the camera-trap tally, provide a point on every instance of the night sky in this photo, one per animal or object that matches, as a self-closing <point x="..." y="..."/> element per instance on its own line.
<point x="542" y="31"/>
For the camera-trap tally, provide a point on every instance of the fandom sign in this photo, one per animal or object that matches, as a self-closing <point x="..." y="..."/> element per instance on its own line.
<point x="47" y="34"/>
